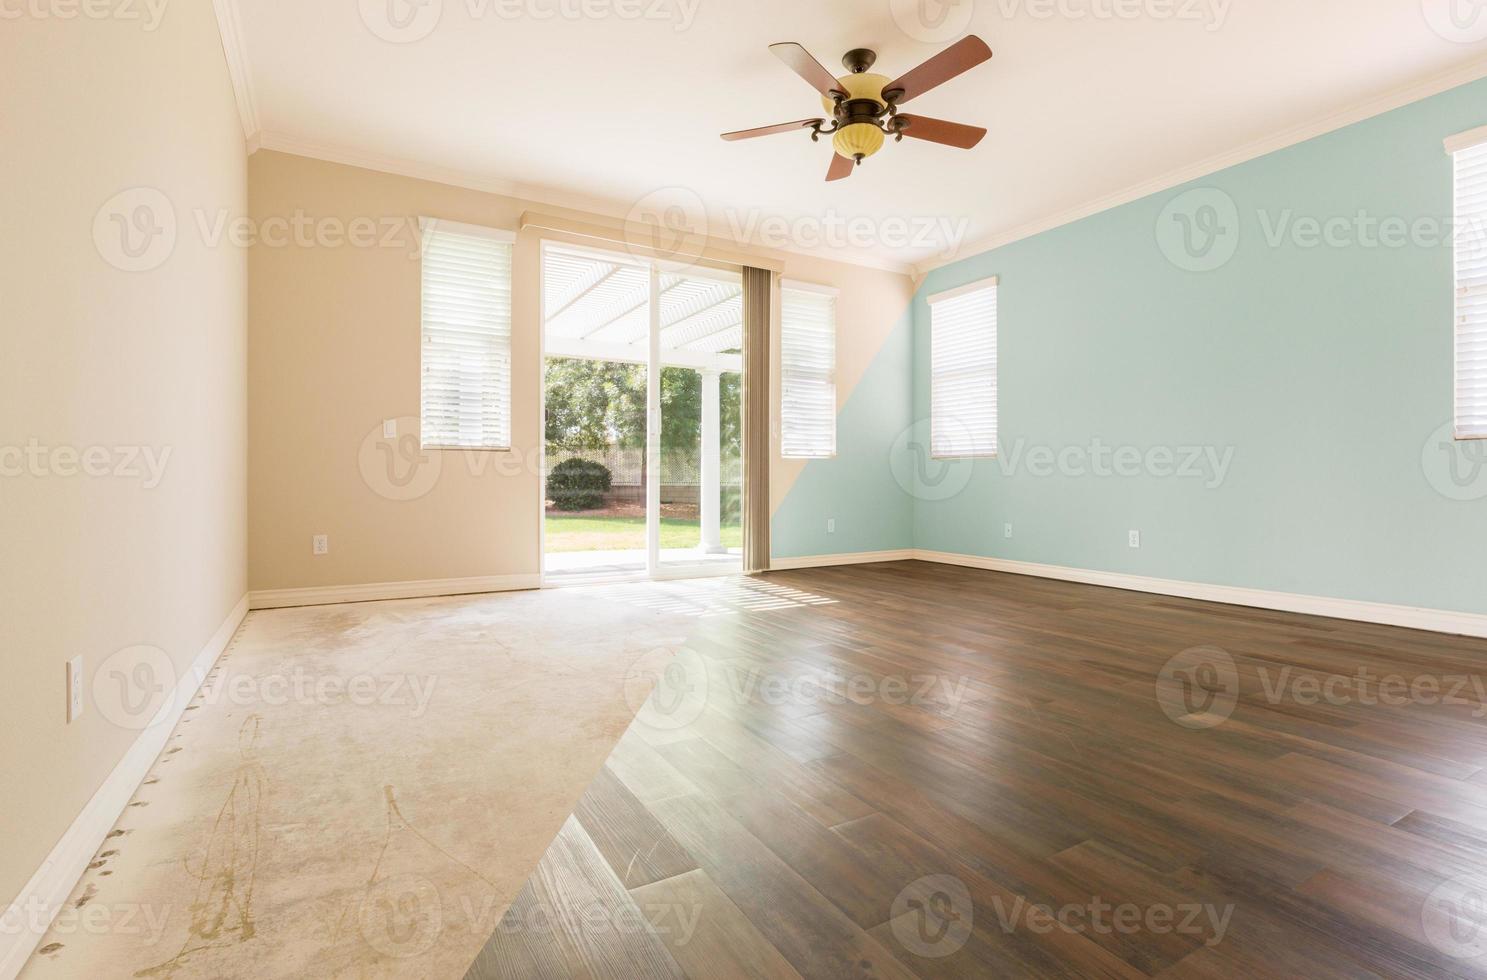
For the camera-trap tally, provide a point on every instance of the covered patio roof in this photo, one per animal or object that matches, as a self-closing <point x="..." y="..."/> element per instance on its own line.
<point x="594" y="304"/>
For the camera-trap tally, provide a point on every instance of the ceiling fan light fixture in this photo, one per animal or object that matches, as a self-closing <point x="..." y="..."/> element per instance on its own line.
<point x="858" y="141"/>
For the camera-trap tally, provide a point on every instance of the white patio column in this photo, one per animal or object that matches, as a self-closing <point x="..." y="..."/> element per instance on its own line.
<point x="712" y="465"/>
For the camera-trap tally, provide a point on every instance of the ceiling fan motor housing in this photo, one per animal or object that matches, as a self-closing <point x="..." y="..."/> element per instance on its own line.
<point x="859" y="134"/>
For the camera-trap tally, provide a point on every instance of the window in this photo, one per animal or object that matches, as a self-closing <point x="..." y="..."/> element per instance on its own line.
<point x="807" y="371"/>
<point x="466" y="402"/>
<point x="1469" y="152"/>
<point x="962" y="382"/>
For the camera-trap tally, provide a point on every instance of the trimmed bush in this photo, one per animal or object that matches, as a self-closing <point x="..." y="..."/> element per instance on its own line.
<point x="578" y="484"/>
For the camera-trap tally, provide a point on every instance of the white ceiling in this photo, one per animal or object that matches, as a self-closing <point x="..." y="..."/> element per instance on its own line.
<point x="582" y="102"/>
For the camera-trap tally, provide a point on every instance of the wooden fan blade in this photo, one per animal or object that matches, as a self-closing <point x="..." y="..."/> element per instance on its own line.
<point x="746" y="134"/>
<point x="961" y="56"/>
<point x="940" y="131"/>
<point x="840" y="167"/>
<point x="799" y="60"/>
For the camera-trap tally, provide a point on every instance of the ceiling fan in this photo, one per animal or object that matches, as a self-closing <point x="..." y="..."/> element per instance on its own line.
<point x="864" y="106"/>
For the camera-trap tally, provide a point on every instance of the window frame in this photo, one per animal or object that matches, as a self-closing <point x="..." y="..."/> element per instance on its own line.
<point x="1462" y="143"/>
<point x="988" y="282"/>
<point x="834" y="293"/>
<point x="504" y="236"/>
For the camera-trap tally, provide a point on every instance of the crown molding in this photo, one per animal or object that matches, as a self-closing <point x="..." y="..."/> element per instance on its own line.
<point x="1375" y="106"/>
<point x="532" y="194"/>
<point x="230" y="27"/>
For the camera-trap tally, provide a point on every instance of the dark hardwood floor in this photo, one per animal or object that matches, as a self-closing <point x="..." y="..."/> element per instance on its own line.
<point x="909" y="769"/>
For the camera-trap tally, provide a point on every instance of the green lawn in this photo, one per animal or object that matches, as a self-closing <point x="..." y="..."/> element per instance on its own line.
<point x="571" y="533"/>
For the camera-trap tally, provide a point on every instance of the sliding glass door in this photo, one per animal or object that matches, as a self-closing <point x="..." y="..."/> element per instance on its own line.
<point x="641" y="386"/>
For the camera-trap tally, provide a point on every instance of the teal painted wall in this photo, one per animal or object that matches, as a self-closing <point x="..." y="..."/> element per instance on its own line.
<point x="857" y="487"/>
<point x="1326" y="368"/>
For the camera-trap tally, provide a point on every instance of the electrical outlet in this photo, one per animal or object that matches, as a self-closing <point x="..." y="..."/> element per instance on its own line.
<point x="320" y="544"/>
<point x="831" y="525"/>
<point x="1135" y="539"/>
<point x="1007" y="530"/>
<point x="74" y="688"/>
<point x="389" y="428"/>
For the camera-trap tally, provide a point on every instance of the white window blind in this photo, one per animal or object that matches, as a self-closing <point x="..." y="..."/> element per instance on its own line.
<point x="466" y="402"/>
<point x="963" y="381"/>
<point x="807" y="372"/>
<point x="1470" y="234"/>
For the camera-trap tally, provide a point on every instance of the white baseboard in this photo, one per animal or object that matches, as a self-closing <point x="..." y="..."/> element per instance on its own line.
<point x="28" y="917"/>
<point x="1382" y="613"/>
<point x="851" y="558"/>
<point x="1413" y="617"/>
<point x="372" y="591"/>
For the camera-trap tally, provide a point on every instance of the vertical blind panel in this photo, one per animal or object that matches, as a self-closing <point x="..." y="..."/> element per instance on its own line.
<point x="963" y="374"/>
<point x="466" y="340"/>
<point x="1471" y="292"/>
<point x="807" y="373"/>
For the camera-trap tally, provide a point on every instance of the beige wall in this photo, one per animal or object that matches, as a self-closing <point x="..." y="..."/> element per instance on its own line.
<point x="334" y="350"/>
<point x="94" y="356"/>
